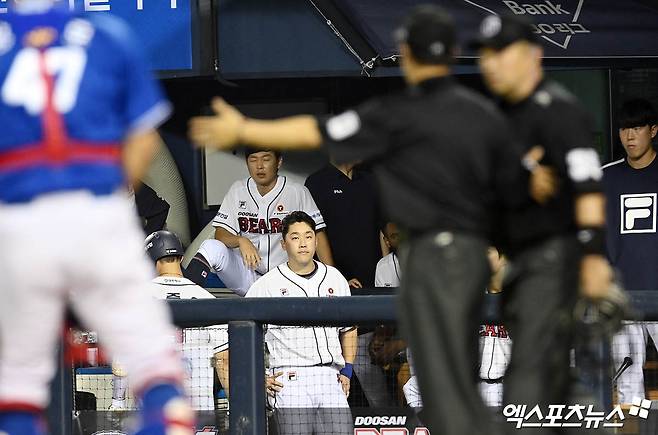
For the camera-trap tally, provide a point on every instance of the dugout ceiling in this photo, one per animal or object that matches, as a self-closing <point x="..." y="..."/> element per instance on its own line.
<point x="288" y="38"/>
<point x="568" y="28"/>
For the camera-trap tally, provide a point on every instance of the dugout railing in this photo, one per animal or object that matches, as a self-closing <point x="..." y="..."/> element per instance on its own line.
<point x="246" y="318"/>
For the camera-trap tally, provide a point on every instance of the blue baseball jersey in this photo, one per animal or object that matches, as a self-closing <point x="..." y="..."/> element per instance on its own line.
<point x="632" y="240"/>
<point x="72" y="87"/>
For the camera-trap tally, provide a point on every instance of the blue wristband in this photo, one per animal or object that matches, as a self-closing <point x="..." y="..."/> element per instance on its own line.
<point x="347" y="370"/>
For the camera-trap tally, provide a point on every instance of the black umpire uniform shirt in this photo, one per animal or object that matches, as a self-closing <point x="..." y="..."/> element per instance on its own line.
<point x="444" y="165"/>
<point x="441" y="154"/>
<point x="553" y="118"/>
<point x="350" y="209"/>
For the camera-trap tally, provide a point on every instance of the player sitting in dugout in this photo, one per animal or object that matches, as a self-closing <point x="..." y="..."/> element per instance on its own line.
<point x="248" y="226"/>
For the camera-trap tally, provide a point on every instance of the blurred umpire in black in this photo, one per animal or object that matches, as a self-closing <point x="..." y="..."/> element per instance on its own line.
<point x="546" y="256"/>
<point x="444" y="164"/>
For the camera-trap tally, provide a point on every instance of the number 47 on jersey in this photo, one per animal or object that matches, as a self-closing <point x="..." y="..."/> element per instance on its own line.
<point x="27" y="82"/>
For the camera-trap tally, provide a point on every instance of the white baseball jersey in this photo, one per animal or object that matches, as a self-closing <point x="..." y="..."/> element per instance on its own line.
<point x="495" y="351"/>
<point x="302" y="346"/>
<point x="410" y="388"/>
<point x="246" y="213"/>
<point x="387" y="273"/>
<point x="198" y="344"/>
<point x="495" y="354"/>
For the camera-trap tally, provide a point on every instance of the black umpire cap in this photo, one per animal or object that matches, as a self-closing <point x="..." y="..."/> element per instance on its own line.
<point x="162" y="244"/>
<point x="429" y="31"/>
<point x="499" y="31"/>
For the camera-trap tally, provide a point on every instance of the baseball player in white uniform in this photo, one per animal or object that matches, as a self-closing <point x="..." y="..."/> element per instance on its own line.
<point x="247" y="240"/>
<point x="387" y="273"/>
<point x="199" y="345"/>
<point x="495" y="354"/>
<point x="495" y="342"/>
<point x="371" y="376"/>
<point x="313" y="365"/>
<point x="410" y="388"/>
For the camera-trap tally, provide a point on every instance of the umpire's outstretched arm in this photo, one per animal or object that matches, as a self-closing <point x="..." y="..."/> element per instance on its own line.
<point x="229" y="127"/>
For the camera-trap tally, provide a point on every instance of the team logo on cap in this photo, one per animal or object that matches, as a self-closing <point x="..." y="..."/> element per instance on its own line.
<point x="490" y="26"/>
<point x="437" y="48"/>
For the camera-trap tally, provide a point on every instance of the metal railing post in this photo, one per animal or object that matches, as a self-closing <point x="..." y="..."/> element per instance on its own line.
<point x="601" y="381"/>
<point x="60" y="410"/>
<point x="247" y="378"/>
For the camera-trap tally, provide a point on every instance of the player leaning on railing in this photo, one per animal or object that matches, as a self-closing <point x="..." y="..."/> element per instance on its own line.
<point x="310" y="369"/>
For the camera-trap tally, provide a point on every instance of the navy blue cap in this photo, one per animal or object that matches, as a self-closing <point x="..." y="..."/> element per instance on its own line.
<point x="499" y="31"/>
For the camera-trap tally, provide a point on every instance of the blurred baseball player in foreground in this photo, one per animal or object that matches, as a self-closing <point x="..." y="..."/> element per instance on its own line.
<point x="248" y="225"/>
<point x="79" y="110"/>
<point x="313" y="365"/>
<point x="200" y="346"/>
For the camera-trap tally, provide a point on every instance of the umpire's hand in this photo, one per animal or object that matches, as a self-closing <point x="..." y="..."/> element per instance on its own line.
<point x="221" y="131"/>
<point x="543" y="183"/>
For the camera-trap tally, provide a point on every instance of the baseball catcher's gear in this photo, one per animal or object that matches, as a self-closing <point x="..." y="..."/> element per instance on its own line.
<point x="604" y="316"/>
<point x="162" y="244"/>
